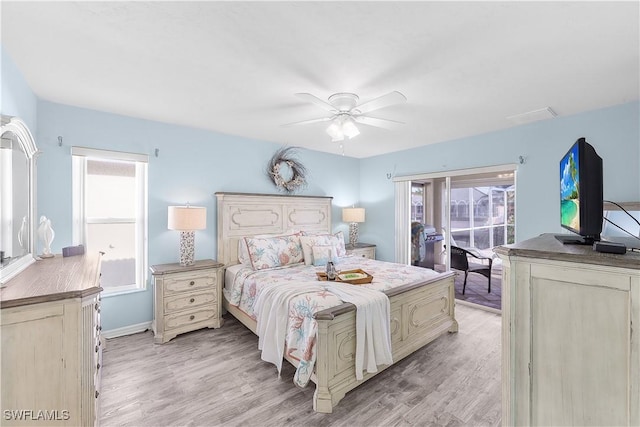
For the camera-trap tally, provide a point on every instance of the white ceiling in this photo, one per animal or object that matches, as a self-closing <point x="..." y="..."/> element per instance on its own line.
<point x="234" y="67"/>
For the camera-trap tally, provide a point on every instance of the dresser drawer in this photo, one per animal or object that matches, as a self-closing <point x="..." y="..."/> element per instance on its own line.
<point x="189" y="301"/>
<point x="177" y="283"/>
<point x="177" y="321"/>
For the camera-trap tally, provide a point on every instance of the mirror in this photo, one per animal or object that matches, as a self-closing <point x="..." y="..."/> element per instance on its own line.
<point x="17" y="198"/>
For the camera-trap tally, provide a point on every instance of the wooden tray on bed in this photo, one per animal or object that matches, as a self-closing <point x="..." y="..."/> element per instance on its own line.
<point x="343" y="276"/>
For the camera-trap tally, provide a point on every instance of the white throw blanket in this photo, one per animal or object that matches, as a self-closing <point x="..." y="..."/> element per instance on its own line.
<point x="373" y="338"/>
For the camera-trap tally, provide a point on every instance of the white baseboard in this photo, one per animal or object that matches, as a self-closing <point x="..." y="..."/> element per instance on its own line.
<point x="481" y="307"/>
<point x="127" y="330"/>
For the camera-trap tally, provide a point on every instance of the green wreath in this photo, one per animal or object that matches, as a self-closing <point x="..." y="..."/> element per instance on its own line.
<point x="285" y="171"/>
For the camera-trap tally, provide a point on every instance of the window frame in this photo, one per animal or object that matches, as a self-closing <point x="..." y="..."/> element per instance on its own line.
<point x="80" y="156"/>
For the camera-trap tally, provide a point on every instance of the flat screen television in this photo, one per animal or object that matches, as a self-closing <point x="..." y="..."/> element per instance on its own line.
<point x="581" y="194"/>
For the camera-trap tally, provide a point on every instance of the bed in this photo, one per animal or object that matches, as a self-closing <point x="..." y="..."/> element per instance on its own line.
<point x="421" y="310"/>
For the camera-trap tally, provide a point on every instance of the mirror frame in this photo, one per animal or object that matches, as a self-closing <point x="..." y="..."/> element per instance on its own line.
<point x="28" y="145"/>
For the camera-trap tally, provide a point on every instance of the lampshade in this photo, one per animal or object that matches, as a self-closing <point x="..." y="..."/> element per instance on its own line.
<point x="335" y="131"/>
<point x="349" y="128"/>
<point x="187" y="218"/>
<point x="353" y="214"/>
<point x="341" y="127"/>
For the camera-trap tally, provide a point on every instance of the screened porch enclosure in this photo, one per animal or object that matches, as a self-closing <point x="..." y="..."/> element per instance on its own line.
<point x="483" y="217"/>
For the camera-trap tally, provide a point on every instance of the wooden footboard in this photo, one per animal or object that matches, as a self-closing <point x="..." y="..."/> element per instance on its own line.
<point x="418" y="316"/>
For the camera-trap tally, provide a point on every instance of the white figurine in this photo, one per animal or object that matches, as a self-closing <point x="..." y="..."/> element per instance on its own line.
<point x="46" y="235"/>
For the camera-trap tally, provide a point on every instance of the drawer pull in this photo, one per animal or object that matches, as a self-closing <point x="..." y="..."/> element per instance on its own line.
<point x="96" y="349"/>
<point x="97" y="394"/>
<point x="192" y="317"/>
<point x="192" y="300"/>
<point x="191" y="283"/>
<point x="364" y="256"/>
<point x="98" y="366"/>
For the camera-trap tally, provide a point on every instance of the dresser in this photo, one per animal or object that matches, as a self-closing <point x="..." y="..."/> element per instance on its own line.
<point x="51" y="344"/>
<point x="364" y="250"/>
<point x="570" y="341"/>
<point x="186" y="298"/>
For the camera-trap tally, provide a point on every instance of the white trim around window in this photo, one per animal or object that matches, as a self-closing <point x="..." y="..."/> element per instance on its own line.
<point x="81" y="221"/>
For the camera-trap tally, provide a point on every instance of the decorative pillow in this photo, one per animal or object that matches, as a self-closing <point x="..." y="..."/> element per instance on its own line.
<point x="342" y="251"/>
<point x="322" y="254"/>
<point x="274" y="252"/>
<point x="308" y="242"/>
<point x="243" y="252"/>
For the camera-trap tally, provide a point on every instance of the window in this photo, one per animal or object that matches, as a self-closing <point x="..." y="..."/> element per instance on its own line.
<point x="110" y="214"/>
<point x="417" y="202"/>
<point x="493" y="220"/>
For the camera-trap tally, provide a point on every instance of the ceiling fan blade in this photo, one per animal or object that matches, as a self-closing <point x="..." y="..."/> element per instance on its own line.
<point x="319" y="102"/>
<point x="381" y="123"/>
<point x="391" y="98"/>
<point x="306" y="122"/>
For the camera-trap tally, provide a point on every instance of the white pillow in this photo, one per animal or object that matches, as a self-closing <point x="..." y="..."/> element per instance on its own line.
<point x="335" y="240"/>
<point x="322" y="254"/>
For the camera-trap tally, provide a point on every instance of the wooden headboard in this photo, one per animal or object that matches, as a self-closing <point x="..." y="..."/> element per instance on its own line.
<point x="241" y="214"/>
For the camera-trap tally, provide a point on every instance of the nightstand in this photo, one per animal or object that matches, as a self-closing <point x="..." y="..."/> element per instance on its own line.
<point x="186" y="298"/>
<point x="365" y="250"/>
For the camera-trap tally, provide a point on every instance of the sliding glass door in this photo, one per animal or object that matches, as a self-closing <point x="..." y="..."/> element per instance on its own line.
<point x="482" y="216"/>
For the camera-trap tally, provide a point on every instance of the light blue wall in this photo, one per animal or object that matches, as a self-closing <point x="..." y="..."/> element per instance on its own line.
<point x="614" y="132"/>
<point x="16" y="97"/>
<point x="192" y="165"/>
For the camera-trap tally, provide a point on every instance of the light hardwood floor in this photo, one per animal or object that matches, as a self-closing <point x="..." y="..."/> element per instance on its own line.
<point x="214" y="377"/>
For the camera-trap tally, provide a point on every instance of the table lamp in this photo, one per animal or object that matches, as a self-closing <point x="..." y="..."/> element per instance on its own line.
<point x="187" y="219"/>
<point x="353" y="216"/>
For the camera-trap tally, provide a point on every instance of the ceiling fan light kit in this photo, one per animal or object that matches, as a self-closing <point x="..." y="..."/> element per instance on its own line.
<point x="341" y="127"/>
<point x="349" y="128"/>
<point x="345" y="113"/>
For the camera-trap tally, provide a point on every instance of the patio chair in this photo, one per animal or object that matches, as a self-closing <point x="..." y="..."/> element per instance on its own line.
<point x="460" y="261"/>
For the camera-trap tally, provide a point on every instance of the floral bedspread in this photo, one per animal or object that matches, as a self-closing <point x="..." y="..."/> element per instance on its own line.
<point x="302" y="327"/>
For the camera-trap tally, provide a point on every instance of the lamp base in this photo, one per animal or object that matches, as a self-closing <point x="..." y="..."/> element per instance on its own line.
<point x="187" y="247"/>
<point x="353" y="233"/>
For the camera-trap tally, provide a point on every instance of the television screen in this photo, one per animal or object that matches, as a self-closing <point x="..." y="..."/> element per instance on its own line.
<point x="581" y="193"/>
<point x="570" y="189"/>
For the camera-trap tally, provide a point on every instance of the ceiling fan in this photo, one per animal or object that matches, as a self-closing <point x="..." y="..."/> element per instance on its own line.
<point x="345" y="113"/>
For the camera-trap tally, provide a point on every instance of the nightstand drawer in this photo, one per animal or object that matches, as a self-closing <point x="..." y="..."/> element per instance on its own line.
<point x="362" y="250"/>
<point x="188" y="282"/>
<point x="177" y="321"/>
<point x="369" y="253"/>
<point x="188" y="301"/>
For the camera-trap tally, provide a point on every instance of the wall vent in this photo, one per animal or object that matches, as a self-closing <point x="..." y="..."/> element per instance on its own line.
<point x="533" y="116"/>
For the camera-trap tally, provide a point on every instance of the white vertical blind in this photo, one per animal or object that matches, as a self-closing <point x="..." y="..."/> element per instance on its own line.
<point x="403" y="221"/>
<point x="447" y="218"/>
